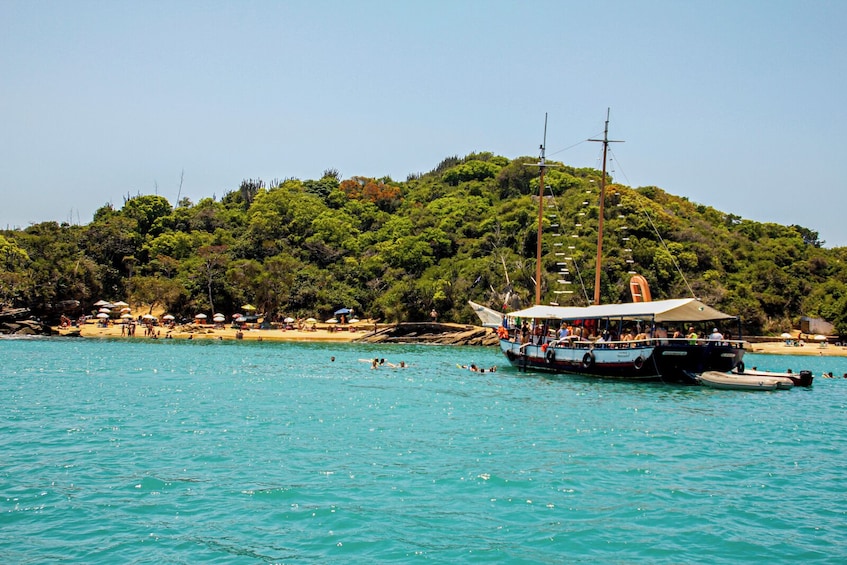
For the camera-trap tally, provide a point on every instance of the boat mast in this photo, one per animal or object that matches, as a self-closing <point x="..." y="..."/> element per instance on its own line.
<point x="541" y="165"/>
<point x="599" y="264"/>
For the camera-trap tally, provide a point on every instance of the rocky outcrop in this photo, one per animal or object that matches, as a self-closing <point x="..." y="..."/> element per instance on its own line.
<point x="433" y="333"/>
<point x="17" y="321"/>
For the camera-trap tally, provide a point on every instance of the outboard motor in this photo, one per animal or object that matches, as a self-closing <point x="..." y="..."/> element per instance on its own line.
<point x="805" y="378"/>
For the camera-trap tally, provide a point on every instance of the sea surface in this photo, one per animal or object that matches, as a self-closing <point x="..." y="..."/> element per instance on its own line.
<point x="257" y="452"/>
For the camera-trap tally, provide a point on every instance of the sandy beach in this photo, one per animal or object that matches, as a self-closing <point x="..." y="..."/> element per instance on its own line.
<point x="198" y="331"/>
<point x="815" y="349"/>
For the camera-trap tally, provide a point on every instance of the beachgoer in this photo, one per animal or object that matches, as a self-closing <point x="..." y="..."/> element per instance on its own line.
<point x="715" y="335"/>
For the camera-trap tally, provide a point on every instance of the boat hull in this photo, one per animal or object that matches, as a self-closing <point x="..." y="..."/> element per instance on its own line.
<point x="803" y="378"/>
<point x="668" y="362"/>
<point x="735" y="381"/>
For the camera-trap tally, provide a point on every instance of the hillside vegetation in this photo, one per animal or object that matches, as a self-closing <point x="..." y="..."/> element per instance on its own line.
<point x="396" y="250"/>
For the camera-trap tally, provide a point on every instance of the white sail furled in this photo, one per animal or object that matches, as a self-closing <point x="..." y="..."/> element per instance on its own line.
<point x="490" y="318"/>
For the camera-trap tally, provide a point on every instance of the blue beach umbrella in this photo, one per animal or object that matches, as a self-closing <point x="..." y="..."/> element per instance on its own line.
<point x="343" y="311"/>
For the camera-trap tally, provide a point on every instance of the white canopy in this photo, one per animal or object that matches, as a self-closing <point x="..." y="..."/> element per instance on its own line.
<point x="675" y="310"/>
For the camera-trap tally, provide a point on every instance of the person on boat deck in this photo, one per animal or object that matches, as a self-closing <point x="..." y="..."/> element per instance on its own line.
<point x="692" y="336"/>
<point x="563" y="332"/>
<point x="677" y="334"/>
<point x="715" y="335"/>
<point x="524" y="332"/>
<point x="537" y="332"/>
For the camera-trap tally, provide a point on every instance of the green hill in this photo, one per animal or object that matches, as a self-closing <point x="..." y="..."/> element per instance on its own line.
<point x="396" y="250"/>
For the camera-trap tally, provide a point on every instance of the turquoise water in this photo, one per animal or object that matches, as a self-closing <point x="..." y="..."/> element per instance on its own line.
<point x="254" y="452"/>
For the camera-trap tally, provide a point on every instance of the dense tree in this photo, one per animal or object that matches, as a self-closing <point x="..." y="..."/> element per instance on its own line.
<point x="395" y="250"/>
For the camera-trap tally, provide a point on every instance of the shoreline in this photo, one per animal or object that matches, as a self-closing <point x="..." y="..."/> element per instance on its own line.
<point x="352" y="334"/>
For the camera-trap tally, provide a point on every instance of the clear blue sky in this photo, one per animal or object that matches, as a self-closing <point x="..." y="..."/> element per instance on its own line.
<point x="739" y="105"/>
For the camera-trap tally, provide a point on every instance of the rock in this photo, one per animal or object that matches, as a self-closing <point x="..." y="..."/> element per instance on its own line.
<point x="432" y="332"/>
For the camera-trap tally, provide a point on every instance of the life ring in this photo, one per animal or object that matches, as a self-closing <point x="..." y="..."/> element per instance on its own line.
<point x="587" y="360"/>
<point x="551" y="355"/>
<point x="740" y="367"/>
<point x="510" y="355"/>
<point x="638" y="363"/>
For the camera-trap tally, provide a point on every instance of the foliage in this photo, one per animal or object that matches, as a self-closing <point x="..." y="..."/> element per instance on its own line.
<point x="395" y="250"/>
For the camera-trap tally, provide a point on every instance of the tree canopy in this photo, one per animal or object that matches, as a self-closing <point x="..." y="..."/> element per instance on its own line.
<point x="395" y="250"/>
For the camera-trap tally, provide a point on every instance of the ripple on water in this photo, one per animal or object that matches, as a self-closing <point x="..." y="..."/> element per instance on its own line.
<point x="242" y="452"/>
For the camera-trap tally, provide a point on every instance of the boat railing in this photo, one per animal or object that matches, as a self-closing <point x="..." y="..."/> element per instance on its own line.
<point x="577" y="343"/>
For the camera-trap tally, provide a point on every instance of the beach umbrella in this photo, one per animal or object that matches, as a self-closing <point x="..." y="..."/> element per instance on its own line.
<point x="354" y="320"/>
<point x="249" y="307"/>
<point x="288" y="320"/>
<point x="102" y="315"/>
<point x="332" y="321"/>
<point x="168" y="317"/>
<point x="200" y="316"/>
<point x="126" y="310"/>
<point x="219" y="318"/>
<point x="104" y="311"/>
<point x="785" y="335"/>
<point x="343" y="311"/>
<point x="311" y="320"/>
<point x="120" y="303"/>
<point x="102" y="303"/>
<point x="820" y="337"/>
<point x="126" y="316"/>
<point x="148" y="317"/>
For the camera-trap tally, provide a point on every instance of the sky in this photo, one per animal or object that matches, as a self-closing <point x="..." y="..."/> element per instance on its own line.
<point x="737" y="105"/>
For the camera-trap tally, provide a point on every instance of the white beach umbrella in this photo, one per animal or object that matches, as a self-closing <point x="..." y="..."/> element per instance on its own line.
<point x="167" y="317"/>
<point x="126" y="309"/>
<point x="332" y="321"/>
<point x="354" y="321"/>
<point x="102" y="315"/>
<point x="120" y="303"/>
<point x="148" y="317"/>
<point x="126" y="316"/>
<point x="820" y="337"/>
<point x="104" y="311"/>
<point x="200" y="316"/>
<point x="219" y="318"/>
<point x="785" y="335"/>
<point x="311" y="320"/>
<point x="288" y="320"/>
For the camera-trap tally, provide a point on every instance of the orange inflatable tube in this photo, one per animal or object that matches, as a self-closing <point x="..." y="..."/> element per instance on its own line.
<point x="639" y="289"/>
